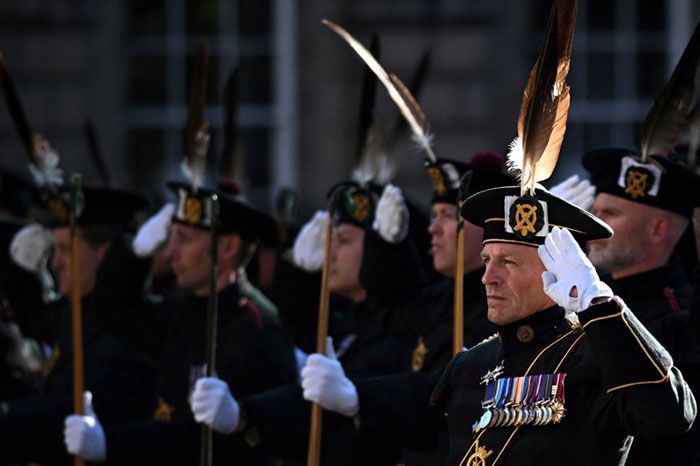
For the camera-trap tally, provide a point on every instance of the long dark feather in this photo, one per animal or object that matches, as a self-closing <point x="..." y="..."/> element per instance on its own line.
<point x="415" y="86"/>
<point x="419" y="132"/>
<point x="367" y="98"/>
<point x="43" y="159"/>
<point x="96" y="153"/>
<point x="545" y="104"/>
<point x="197" y="129"/>
<point x="231" y="163"/>
<point x="666" y="120"/>
<point x="14" y="105"/>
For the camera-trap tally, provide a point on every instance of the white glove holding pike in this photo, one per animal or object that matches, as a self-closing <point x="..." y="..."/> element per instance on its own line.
<point x="212" y="404"/>
<point x="324" y="382"/>
<point x="84" y="435"/>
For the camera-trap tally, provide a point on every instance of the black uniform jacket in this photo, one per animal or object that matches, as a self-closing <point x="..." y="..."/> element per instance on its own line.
<point x="660" y="299"/>
<point x="121" y="378"/>
<point x="620" y="382"/>
<point x="252" y="355"/>
<point x="388" y="404"/>
<point x="278" y="420"/>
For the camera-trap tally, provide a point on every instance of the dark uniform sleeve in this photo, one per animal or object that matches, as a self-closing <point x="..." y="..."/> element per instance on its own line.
<point x="653" y="400"/>
<point x="398" y="405"/>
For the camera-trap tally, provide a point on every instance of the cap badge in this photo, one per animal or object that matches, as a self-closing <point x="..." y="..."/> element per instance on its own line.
<point x="193" y="210"/>
<point x="638" y="181"/>
<point x="438" y="180"/>
<point x="526" y="216"/>
<point x="361" y="206"/>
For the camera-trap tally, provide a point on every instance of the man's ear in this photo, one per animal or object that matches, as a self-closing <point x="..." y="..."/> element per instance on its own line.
<point x="229" y="246"/>
<point x="659" y="230"/>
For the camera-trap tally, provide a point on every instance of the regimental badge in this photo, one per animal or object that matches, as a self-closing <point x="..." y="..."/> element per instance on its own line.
<point x="419" y="355"/>
<point x="638" y="181"/>
<point x="164" y="411"/>
<point x="438" y="179"/>
<point x="58" y="209"/>
<point x="526" y="216"/>
<point x="193" y="210"/>
<point x="478" y="458"/>
<point x="361" y="206"/>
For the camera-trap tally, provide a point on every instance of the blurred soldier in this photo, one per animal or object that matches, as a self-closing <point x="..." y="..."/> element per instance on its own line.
<point x="383" y="406"/>
<point x="111" y="279"/>
<point x="252" y="353"/>
<point x="371" y="349"/>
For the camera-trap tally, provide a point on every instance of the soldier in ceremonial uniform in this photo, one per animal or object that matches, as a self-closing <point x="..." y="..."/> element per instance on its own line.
<point x="545" y="386"/>
<point x="650" y="205"/>
<point x="372" y="348"/>
<point x="252" y="352"/>
<point x="121" y="379"/>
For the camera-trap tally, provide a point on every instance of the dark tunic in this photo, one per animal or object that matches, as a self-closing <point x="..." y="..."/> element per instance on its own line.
<point x="388" y="404"/>
<point x="278" y="420"/>
<point x="121" y="379"/>
<point x="620" y="382"/>
<point x="660" y="299"/>
<point x="253" y="355"/>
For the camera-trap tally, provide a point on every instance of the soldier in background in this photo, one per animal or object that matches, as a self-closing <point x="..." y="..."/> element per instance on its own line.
<point x="650" y="206"/>
<point x="120" y="378"/>
<point x="253" y="354"/>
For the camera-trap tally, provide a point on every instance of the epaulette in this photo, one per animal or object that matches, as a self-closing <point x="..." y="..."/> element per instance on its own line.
<point x="245" y="303"/>
<point x="495" y="336"/>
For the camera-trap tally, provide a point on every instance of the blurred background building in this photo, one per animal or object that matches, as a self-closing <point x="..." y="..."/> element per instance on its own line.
<point x="123" y="65"/>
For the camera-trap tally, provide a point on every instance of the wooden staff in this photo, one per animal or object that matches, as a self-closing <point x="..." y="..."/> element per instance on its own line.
<point x="458" y="327"/>
<point x="206" y="445"/>
<point x="76" y="308"/>
<point x="314" y="455"/>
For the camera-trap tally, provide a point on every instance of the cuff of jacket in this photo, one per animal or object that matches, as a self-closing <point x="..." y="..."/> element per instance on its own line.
<point x="627" y="352"/>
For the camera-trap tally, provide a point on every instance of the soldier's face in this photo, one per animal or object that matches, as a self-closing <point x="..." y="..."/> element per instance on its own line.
<point x="513" y="281"/>
<point x="189" y="253"/>
<point x="347" y="244"/>
<point x="626" y="248"/>
<point x="89" y="260"/>
<point x="443" y="247"/>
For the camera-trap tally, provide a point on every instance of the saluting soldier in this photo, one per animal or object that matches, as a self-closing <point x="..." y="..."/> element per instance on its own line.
<point x="545" y="386"/>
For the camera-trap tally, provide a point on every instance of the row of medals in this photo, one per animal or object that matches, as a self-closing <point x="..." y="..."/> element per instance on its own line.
<point x="539" y="413"/>
<point x="552" y="411"/>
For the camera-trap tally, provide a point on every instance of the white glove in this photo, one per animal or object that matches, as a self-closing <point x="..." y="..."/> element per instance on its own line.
<point x="30" y="247"/>
<point x="154" y="232"/>
<point x="324" y="382"/>
<point x="213" y="405"/>
<point x="391" y="217"/>
<point x="309" y="245"/>
<point x="83" y="435"/>
<point x="568" y="267"/>
<point x="580" y="193"/>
